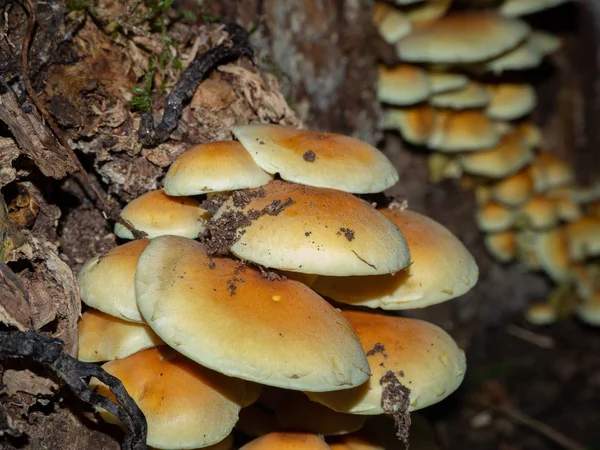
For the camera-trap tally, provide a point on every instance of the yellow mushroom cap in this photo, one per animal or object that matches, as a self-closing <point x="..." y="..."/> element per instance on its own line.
<point x="429" y="11"/>
<point x="455" y="131"/>
<point x="510" y="101"/>
<point x="319" y="231"/>
<point x="107" y="281"/>
<point x="169" y="389"/>
<point x="541" y="313"/>
<point x="550" y="172"/>
<point x="502" y="245"/>
<point x="509" y="156"/>
<point x="584" y="238"/>
<point x="155" y="213"/>
<point x="402" y="85"/>
<point x="514" y="190"/>
<point x="442" y="269"/>
<point x="473" y="95"/>
<point x="104" y="338"/>
<point x="415" y="124"/>
<point x="391" y="23"/>
<point x="297" y="412"/>
<point x="234" y="320"/>
<point x="422" y="356"/>
<point x="530" y="133"/>
<point x="493" y="217"/>
<point x="318" y="159"/>
<point x="588" y="311"/>
<point x="539" y="212"/>
<point x="462" y="38"/>
<point x="287" y="441"/>
<point x="526" y="55"/>
<point x="552" y="250"/>
<point x="214" y="167"/>
<point x="586" y="278"/>
<point x="446" y="81"/>
<point x="567" y="208"/>
<point x="516" y="8"/>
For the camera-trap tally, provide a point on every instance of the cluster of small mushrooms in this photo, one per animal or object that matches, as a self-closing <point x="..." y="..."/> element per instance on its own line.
<point x="221" y="316"/>
<point x="448" y="94"/>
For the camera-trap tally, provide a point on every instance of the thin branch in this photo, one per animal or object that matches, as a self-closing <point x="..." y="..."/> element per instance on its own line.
<point x="542" y="428"/>
<point x="190" y="79"/>
<point x="71" y="372"/>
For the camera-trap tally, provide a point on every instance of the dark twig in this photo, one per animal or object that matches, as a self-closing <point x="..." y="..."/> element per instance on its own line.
<point x="110" y="208"/>
<point x="49" y="351"/>
<point x="189" y="81"/>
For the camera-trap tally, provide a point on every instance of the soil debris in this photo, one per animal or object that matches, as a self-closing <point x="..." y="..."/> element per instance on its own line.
<point x="377" y="348"/>
<point x="271" y="275"/>
<point x="213" y="204"/>
<point x="395" y="400"/>
<point x="220" y="234"/>
<point x="244" y="197"/>
<point x="347" y="232"/>
<point x="309" y="156"/>
<point x="276" y="206"/>
<point x="232" y="286"/>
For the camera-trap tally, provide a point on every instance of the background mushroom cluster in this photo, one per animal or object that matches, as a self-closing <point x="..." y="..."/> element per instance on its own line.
<point x="459" y="88"/>
<point x="217" y="317"/>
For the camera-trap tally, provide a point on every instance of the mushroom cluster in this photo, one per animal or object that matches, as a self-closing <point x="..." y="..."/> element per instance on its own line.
<point x="222" y="315"/>
<point x="448" y="94"/>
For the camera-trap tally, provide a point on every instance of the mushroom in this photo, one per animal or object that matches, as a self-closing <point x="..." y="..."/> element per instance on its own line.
<point x="442" y="269"/>
<point x="515" y="189"/>
<point x="414" y="364"/>
<point x="441" y="81"/>
<point x="509" y="156"/>
<point x="230" y="318"/>
<point x="390" y="22"/>
<point x="103" y="338"/>
<point x="214" y="167"/>
<point x="155" y="213"/>
<point x="460" y="38"/>
<point x="493" y="217"/>
<point x="456" y="131"/>
<point x="502" y="245"/>
<point x="326" y="160"/>
<point x="415" y="124"/>
<point x="541" y="313"/>
<point x="169" y="388"/>
<point x="310" y="230"/>
<point x="402" y="85"/>
<point x="473" y="95"/>
<point x="510" y="101"/>
<point x="106" y="282"/>
<point x="287" y="441"/>
<point x="515" y="8"/>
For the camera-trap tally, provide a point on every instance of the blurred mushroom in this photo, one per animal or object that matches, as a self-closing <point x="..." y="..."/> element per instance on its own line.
<point x="402" y="85"/>
<point x="465" y="37"/>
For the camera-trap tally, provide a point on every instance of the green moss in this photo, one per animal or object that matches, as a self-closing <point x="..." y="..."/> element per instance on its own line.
<point x="142" y="95"/>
